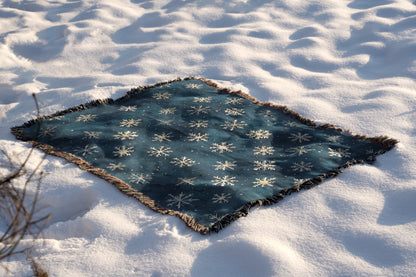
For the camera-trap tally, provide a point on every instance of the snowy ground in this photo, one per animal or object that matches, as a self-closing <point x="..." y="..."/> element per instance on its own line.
<point x="350" y="63"/>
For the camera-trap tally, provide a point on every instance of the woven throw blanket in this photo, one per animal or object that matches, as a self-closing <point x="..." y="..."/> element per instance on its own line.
<point x="203" y="153"/>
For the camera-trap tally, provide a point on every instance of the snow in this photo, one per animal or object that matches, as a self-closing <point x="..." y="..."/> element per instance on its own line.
<point x="349" y="63"/>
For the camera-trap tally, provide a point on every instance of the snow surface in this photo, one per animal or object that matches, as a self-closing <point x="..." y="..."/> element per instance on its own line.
<point x="349" y="63"/>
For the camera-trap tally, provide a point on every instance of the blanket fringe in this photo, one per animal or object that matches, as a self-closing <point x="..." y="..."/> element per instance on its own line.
<point x="384" y="141"/>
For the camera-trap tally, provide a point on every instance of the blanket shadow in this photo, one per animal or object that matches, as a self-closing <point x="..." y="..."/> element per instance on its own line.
<point x="399" y="207"/>
<point x="235" y="258"/>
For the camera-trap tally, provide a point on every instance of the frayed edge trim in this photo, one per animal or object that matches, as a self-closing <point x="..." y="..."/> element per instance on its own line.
<point x="383" y="141"/>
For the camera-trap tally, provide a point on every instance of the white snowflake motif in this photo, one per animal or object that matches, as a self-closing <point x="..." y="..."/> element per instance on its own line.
<point x="130" y="122"/>
<point x="202" y="99"/>
<point x="290" y="123"/>
<point x="297" y="182"/>
<point x="48" y="131"/>
<point x="186" y="181"/>
<point x="339" y="152"/>
<point x="299" y="150"/>
<point x="225" y="165"/>
<point x="198" y="110"/>
<point x="125" y="135"/>
<point x="223" y="147"/>
<point x="197" y="137"/>
<point x="161" y="95"/>
<point x="86" y="117"/>
<point x="165" y="121"/>
<point x="193" y="86"/>
<point x="259" y="134"/>
<point x="180" y="200"/>
<point x="232" y="125"/>
<point x="264" y="182"/>
<point x="113" y="166"/>
<point x="302" y="166"/>
<point x="162" y="137"/>
<point x="264" y="165"/>
<point x="167" y="111"/>
<point x="234" y="112"/>
<point x="140" y="179"/>
<point x="268" y="114"/>
<point x="221" y="198"/>
<point x="371" y="152"/>
<point x="182" y="162"/>
<point x="234" y="101"/>
<point x="334" y="139"/>
<point x="128" y="108"/>
<point x="263" y="150"/>
<point x="215" y="217"/>
<point x="87" y="150"/>
<point x="224" y="181"/>
<point x="159" y="152"/>
<point x="123" y="151"/>
<point x="92" y="135"/>
<point x="198" y="124"/>
<point x="300" y="137"/>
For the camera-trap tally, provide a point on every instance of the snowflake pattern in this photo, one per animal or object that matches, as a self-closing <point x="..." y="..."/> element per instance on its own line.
<point x="259" y="134"/>
<point x="193" y="86"/>
<point x="334" y="139"/>
<point x="300" y="150"/>
<point x="298" y="182"/>
<point x="197" y="137"/>
<point x="215" y="148"/>
<point x="232" y="125"/>
<point x="288" y="123"/>
<point x="162" y="151"/>
<point x="197" y="110"/>
<point x="167" y="111"/>
<point x="162" y="137"/>
<point x="161" y="95"/>
<point x="225" y="165"/>
<point x="215" y="217"/>
<point x="117" y="166"/>
<point x="125" y="135"/>
<point x="140" y="178"/>
<point x="371" y="152"/>
<point x="86" y="117"/>
<point x="186" y="181"/>
<point x="123" y="151"/>
<point x="339" y="152"/>
<point x="263" y="150"/>
<point x="128" y="108"/>
<point x="268" y="114"/>
<point x="180" y="200"/>
<point x="300" y="137"/>
<point x="182" y="162"/>
<point x="263" y="182"/>
<point x="221" y="198"/>
<point x="198" y="124"/>
<point x="234" y="101"/>
<point x="264" y="165"/>
<point x="92" y="134"/>
<point x="165" y="121"/>
<point x="302" y="166"/>
<point x="87" y="150"/>
<point x="224" y="181"/>
<point x="48" y="131"/>
<point x="234" y="112"/>
<point x="223" y="147"/>
<point x="130" y="122"/>
<point x="202" y="99"/>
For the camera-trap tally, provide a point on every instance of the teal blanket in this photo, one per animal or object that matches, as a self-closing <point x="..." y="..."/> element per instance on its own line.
<point x="203" y="153"/>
